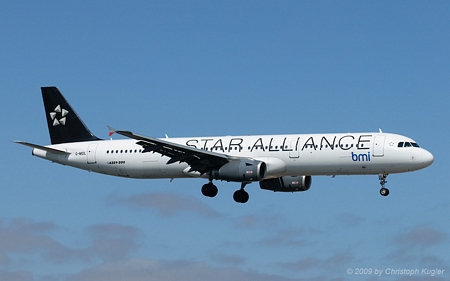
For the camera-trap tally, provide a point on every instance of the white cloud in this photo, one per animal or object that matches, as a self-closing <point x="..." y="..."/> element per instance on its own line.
<point x="303" y="264"/>
<point x="416" y="246"/>
<point x="228" y="259"/>
<point x="29" y="226"/>
<point x="262" y="220"/>
<point x="168" y="204"/>
<point x="278" y="240"/>
<point x="113" y="241"/>
<point x="15" y="276"/>
<point x="25" y="240"/>
<point x="351" y="220"/>
<point x="149" y="270"/>
<point x="320" y="268"/>
<point x="25" y="236"/>
<point x="421" y="236"/>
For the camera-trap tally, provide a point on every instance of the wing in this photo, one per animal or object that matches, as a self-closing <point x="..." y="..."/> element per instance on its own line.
<point x="199" y="160"/>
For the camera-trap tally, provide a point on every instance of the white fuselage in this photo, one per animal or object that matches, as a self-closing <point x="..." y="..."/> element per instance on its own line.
<point x="285" y="155"/>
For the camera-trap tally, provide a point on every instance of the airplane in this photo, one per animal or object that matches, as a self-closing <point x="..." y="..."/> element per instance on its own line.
<point x="280" y="163"/>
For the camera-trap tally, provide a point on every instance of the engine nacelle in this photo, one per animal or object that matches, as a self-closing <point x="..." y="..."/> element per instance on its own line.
<point x="241" y="171"/>
<point x="287" y="184"/>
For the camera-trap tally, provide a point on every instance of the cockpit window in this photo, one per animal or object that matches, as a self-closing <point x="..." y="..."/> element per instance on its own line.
<point x="407" y="144"/>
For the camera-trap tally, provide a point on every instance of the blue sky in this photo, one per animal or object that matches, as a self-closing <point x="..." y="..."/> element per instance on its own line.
<point x="202" y="68"/>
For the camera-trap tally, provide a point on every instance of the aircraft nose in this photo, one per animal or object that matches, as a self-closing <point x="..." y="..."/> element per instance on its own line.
<point x="427" y="158"/>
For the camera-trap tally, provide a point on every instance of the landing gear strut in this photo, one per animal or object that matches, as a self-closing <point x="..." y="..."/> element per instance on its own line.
<point x="209" y="189"/>
<point x="383" y="191"/>
<point x="241" y="196"/>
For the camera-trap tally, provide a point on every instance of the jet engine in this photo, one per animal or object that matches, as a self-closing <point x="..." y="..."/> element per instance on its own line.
<point x="241" y="171"/>
<point x="287" y="183"/>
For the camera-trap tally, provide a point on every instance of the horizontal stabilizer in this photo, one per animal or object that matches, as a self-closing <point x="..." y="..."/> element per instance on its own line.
<point x="45" y="148"/>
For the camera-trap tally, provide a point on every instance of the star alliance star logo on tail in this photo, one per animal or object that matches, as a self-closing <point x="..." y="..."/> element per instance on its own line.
<point x="62" y="119"/>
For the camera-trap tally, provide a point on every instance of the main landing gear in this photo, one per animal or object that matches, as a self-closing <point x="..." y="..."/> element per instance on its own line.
<point x="240" y="196"/>
<point x="383" y="191"/>
<point x="209" y="189"/>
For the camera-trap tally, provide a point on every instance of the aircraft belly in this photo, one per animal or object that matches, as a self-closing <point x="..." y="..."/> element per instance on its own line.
<point x="150" y="169"/>
<point x="157" y="168"/>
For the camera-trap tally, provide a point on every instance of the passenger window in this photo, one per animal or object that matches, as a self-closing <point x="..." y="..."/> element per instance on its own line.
<point x="400" y="144"/>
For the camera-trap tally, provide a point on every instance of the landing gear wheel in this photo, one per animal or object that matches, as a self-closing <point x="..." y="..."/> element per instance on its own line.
<point x="209" y="190"/>
<point x="384" y="191"/>
<point x="241" y="196"/>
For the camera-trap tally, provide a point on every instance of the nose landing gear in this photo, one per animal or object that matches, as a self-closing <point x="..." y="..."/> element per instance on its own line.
<point x="383" y="191"/>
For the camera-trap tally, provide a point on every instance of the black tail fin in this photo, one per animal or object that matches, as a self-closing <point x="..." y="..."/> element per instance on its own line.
<point x="63" y="122"/>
